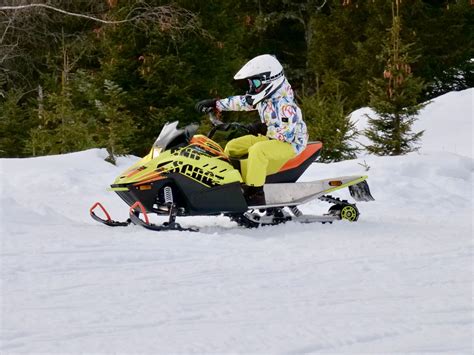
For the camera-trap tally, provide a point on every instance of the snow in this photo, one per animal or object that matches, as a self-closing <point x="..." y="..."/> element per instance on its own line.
<point x="446" y="120"/>
<point x="397" y="281"/>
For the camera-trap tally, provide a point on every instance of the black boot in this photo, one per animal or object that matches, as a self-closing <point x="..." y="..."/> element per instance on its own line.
<point x="254" y="195"/>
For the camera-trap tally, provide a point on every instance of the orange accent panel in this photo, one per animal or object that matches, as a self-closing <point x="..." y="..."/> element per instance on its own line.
<point x="149" y="181"/>
<point x="153" y="179"/>
<point x="135" y="171"/>
<point x="209" y="145"/>
<point x="310" y="149"/>
<point x="150" y="177"/>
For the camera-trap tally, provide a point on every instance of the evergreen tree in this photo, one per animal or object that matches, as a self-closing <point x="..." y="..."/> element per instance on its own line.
<point x="62" y="124"/>
<point x="444" y="35"/>
<point x="166" y="57"/>
<point x="115" y="124"/>
<point x="14" y="124"/>
<point x="328" y="121"/>
<point x="346" y="38"/>
<point x="61" y="129"/>
<point x="394" y="97"/>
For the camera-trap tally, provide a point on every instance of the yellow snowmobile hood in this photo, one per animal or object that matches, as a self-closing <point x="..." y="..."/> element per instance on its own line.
<point x="203" y="160"/>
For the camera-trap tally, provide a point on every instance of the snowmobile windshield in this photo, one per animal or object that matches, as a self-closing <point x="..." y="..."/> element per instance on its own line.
<point x="172" y="136"/>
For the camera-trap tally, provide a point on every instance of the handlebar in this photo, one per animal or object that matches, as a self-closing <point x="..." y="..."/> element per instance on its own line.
<point x="218" y="125"/>
<point x="213" y="118"/>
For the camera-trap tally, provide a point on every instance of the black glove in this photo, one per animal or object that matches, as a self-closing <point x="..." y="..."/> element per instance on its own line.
<point x="257" y="128"/>
<point x="206" y="106"/>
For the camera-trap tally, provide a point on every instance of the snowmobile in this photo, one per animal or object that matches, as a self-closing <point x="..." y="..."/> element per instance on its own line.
<point x="189" y="174"/>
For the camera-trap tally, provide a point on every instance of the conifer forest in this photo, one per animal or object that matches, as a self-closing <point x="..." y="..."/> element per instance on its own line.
<point x="80" y="74"/>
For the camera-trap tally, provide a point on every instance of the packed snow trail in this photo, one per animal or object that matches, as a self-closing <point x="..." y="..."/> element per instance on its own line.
<point x="398" y="280"/>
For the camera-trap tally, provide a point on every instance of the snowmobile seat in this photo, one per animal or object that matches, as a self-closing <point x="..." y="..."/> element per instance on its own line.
<point x="291" y="170"/>
<point x="294" y="168"/>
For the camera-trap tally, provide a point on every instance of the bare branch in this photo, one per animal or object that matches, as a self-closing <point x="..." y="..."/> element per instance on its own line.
<point x="321" y="6"/>
<point x="168" y="17"/>
<point x="24" y="7"/>
<point x="18" y="32"/>
<point x="6" y="30"/>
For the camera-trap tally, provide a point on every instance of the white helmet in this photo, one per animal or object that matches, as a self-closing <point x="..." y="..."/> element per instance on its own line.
<point x="265" y="76"/>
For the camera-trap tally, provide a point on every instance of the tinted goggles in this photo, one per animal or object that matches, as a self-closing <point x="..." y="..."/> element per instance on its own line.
<point x="255" y="85"/>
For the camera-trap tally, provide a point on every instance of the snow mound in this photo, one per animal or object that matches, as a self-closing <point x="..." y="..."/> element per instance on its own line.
<point x="447" y="122"/>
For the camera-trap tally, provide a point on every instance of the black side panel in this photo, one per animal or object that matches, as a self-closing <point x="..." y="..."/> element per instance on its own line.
<point x="193" y="196"/>
<point x="202" y="200"/>
<point x="291" y="175"/>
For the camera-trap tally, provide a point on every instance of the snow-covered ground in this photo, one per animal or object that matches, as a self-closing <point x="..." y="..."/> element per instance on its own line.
<point x="397" y="281"/>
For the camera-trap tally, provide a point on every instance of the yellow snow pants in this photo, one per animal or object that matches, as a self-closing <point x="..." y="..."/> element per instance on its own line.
<point x="265" y="156"/>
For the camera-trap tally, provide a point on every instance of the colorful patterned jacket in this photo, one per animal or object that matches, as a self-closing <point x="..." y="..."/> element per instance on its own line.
<point x="279" y="112"/>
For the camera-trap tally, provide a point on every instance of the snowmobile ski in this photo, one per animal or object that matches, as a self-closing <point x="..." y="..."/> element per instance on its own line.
<point x="138" y="208"/>
<point x="109" y="222"/>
